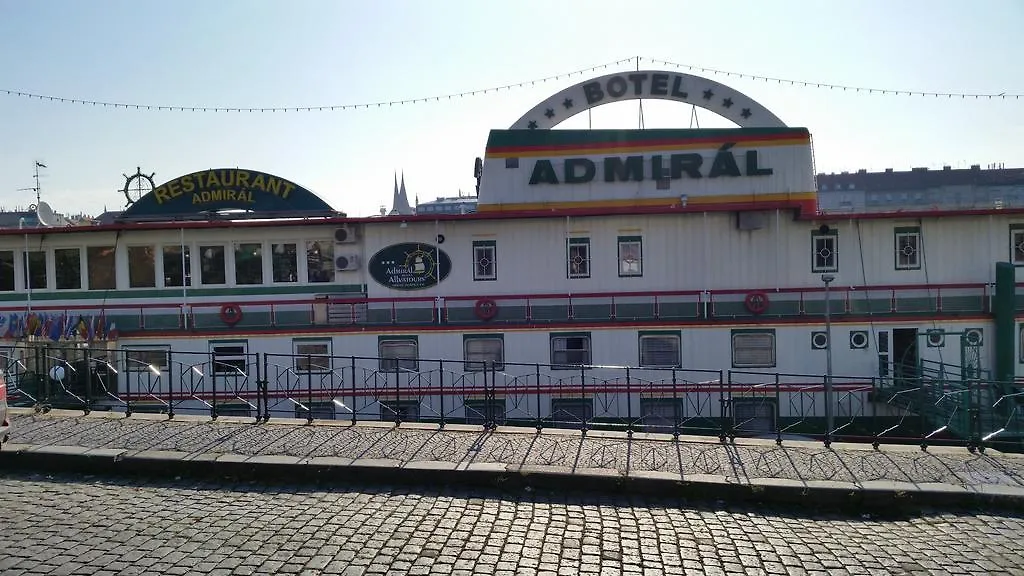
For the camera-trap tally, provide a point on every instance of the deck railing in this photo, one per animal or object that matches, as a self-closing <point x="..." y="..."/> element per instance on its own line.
<point x="674" y="401"/>
<point x="332" y="312"/>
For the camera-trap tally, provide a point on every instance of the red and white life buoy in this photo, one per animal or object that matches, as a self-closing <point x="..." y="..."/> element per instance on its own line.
<point x="756" y="302"/>
<point x="486" y="309"/>
<point x="230" y="314"/>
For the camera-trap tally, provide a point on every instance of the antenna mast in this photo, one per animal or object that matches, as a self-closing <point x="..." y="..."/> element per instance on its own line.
<point x="36" y="188"/>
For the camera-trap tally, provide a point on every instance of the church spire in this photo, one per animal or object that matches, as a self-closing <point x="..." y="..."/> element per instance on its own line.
<point x="401" y="205"/>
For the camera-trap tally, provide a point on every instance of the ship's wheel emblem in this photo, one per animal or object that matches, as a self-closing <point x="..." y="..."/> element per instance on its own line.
<point x="137" y="185"/>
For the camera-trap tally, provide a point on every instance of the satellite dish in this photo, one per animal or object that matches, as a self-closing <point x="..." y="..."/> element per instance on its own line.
<point x="45" y="214"/>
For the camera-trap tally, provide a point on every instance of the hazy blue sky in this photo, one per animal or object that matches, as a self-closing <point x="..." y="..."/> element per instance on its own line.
<point x="306" y="52"/>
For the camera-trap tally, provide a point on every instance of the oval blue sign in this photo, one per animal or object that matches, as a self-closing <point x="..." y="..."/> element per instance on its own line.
<point x="409" y="266"/>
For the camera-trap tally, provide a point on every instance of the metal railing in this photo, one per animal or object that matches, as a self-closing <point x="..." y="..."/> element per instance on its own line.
<point x="727" y="404"/>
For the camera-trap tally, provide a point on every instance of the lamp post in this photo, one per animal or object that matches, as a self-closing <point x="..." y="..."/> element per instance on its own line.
<point x="827" y="279"/>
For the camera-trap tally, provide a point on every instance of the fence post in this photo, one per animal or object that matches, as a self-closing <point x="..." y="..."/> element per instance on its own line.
<point x="677" y="410"/>
<point x="629" y="404"/>
<point x="722" y="432"/>
<point x="309" y="389"/>
<point x="440" y="392"/>
<point x="540" y="421"/>
<point x="828" y="410"/>
<point x="213" y="384"/>
<point x="583" y="395"/>
<point x="398" y="390"/>
<point x="778" y="411"/>
<point x="170" y="386"/>
<point x="88" y="380"/>
<point x="128" y="379"/>
<point x="354" y="407"/>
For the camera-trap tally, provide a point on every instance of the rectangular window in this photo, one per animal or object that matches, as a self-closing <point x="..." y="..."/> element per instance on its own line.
<point x="908" y="248"/>
<point x="67" y="264"/>
<point x="312" y="355"/>
<point x="318" y="410"/>
<point x="1017" y="244"/>
<point x="152" y="359"/>
<point x="825" y="251"/>
<point x="754" y="415"/>
<point x="249" y="263"/>
<point x="398" y="354"/>
<point x="753" y="348"/>
<point x="229" y="358"/>
<point x="141" y="267"/>
<point x="102" y="267"/>
<point x="177" y="266"/>
<point x="660" y="350"/>
<point x="569" y="350"/>
<point x="35" y="270"/>
<point x="631" y="256"/>
<point x="406" y="410"/>
<point x="319" y="261"/>
<point x="578" y="257"/>
<point x="484" y="352"/>
<point x="481" y="411"/>
<point x="6" y="270"/>
<point x="485" y="264"/>
<point x="285" y="262"/>
<point x="211" y="265"/>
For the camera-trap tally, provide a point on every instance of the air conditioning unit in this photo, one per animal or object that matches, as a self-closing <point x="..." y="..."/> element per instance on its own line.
<point x="347" y="262"/>
<point x="345" y="235"/>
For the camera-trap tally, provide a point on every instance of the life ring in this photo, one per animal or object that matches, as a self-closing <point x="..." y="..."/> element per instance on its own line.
<point x="756" y="302"/>
<point x="230" y="314"/>
<point x="486" y="309"/>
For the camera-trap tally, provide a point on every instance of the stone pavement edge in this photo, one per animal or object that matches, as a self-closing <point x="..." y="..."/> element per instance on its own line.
<point x="849" y="476"/>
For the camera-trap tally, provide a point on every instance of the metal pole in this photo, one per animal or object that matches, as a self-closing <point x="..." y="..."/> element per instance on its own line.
<point x="827" y="279"/>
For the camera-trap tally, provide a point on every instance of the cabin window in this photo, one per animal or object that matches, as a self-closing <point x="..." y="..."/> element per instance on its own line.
<point x="102" y="267"/>
<point x="485" y="264"/>
<point x="578" y="257"/>
<point x="229" y="358"/>
<point x="398" y="354"/>
<point x="631" y="256"/>
<point x="570" y="350"/>
<point x="316" y="410"/>
<point x="312" y="355"/>
<point x="908" y="248"/>
<point x="319" y="261"/>
<point x="660" y="350"/>
<point x="484" y="353"/>
<point x="825" y="251"/>
<point x="211" y="265"/>
<point x="405" y="410"/>
<point x="68" y="268"/>
<point x="753" y="415"/>
<point x="35" y="270"/>
<point x="285" y="262"/>
<point x="6" y="271"/>
<point x="177" y="266"/>
<point x="141" y="267"/>
<point x="248" y="263"/>
<point x="148" y="359"/>
<point x="480" y="411"/>
<point x="753" y="348"/>
<point x="1017" y="243"/>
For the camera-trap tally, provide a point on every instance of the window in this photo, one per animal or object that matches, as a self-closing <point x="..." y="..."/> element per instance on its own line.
<point x="101" y="267"/>
<point x="229" y="358"/>
<point x="484" y="352"/>
<point x="753" y="348"/>
<point x="908" y="248"/>
<point x="312" y="355"/>
<point x="141" y="267"/>
<point x="825" y="251"/>
<point x="631" y="256"/>
<point x="485" y="260"/>
<point x="319" y="261"/>
<point x="35" y="270"/>
<point x="67" y="264"/>
<point x="147" y="359"/>
<point x="211" y="265"/>
<point x="406" y="410"/>
<point x="578" y="257"/>
<point x="177" y="266"/>
<point x="285" y="262"/>
<point x="568" y="350"/>
<point x="249" y="263"/>
<point x="660" y="350"/>
<point x="754" y="415"/>
<point x="316" y="410"/>
<point x="571" y="412"/>
<point x="481" y="411"/>
<point x="398" y="354"/>
<point x="6" y="270"/>
<point x="1017" y="243"/>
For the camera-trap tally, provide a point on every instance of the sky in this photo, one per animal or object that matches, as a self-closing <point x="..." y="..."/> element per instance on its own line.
<point x="262" y="53"/>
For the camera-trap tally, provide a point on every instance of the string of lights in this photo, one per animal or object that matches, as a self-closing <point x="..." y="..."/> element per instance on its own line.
<point x="632" y="60"/>
<point x="380" y="104"/>
<point x="809" y="84"/>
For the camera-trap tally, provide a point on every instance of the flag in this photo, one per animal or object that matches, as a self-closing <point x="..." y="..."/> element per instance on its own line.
<point x="40" y="164"/>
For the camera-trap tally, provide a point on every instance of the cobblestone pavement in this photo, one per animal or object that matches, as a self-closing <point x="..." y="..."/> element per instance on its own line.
<point x="104" y="526"/>
<point x="686" y="459"/>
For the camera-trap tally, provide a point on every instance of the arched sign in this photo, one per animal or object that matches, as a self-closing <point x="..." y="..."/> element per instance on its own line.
<point x="223" y="189"/>
<point x="409" y="266"/>
<point x="727" y="102"/>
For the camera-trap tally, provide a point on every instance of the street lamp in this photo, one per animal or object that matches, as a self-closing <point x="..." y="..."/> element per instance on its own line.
<point x="827" y="279"/>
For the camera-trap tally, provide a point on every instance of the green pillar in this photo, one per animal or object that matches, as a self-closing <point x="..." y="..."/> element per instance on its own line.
<point x="1005" y="303"/>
